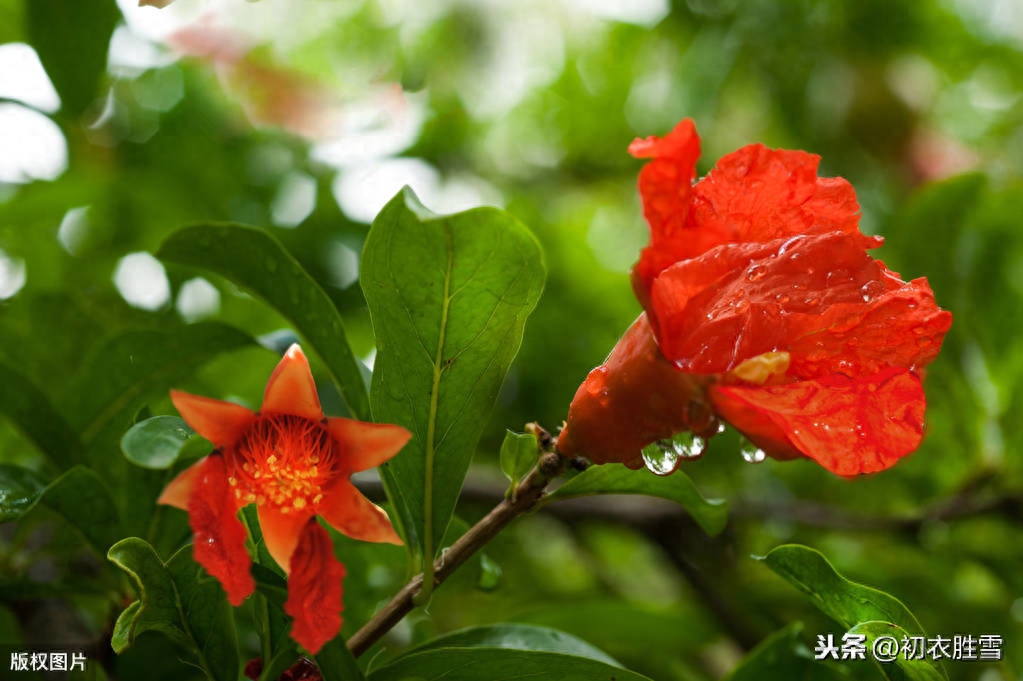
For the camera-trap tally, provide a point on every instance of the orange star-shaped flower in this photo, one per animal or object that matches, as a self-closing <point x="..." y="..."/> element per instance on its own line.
<point x="294" y="464"/>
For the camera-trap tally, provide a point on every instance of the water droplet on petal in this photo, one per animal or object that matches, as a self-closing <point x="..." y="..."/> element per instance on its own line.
<point x="750" y="452"/>
<point x="755" y="273"/>
<point x="871" y="290"/>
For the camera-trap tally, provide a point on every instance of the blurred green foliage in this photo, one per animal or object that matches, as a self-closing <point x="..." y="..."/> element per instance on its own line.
<point x="531" y="105"/>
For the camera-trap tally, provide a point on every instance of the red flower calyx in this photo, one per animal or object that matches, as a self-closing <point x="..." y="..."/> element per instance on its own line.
<point x="294" y="465"/>
<point x="763" y="309"/>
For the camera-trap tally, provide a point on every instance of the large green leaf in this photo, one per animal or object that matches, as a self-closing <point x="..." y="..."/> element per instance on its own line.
<point x="448" y="297"/>
<point x="337" y="663"/>
<point x="180" y="600"/>
<point x="79" y="496"/>
<point x="519" y="637"/>
<point x="848" y="603"/>
<point x="72" y="38"/>
<point x="710" y="514"/>
<point x="257" y="262"/>
<point x="19" y="490"/>
<point x="901" y="667"/>
<point x="33" y="414"/>
<point x="498" y="664"/>
<point x="783" y="655"/>
<point x="108" y="390"/>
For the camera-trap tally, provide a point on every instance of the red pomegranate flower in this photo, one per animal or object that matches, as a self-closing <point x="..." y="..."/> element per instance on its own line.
<point x="294" y="464"/>
<point x="762" y="308"/>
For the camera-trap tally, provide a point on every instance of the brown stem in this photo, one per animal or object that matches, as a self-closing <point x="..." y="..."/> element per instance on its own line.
<point x="526" y="495"/>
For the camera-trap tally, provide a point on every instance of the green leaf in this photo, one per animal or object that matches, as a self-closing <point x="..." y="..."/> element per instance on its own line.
<point x="900" y="668"/>
<point x="84" y="500"/>
<point x="255" y="261"/>
<point x="848" y="603"/>
<point x="710" y="514"/>
<point x="157" y="442"/>
<point x="783" y="655"/>
<point x="519" y="453"/>
<point x="498" y="664"/>
<point x="519" y="637"/>
<point x="490" y="573"/>
<point x="33" y="414"/>
<point x="337" y="663"/>
<point x="157" y="607"/>
<point x="72" y="38"/>
<point x="449" y="297"/>
<point x="19" y="490"/>
<point x="108" y="390"/>
<point x="180" y="600"/>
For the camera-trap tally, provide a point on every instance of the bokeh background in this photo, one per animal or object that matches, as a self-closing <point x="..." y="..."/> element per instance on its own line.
<point x="305" y="116"/>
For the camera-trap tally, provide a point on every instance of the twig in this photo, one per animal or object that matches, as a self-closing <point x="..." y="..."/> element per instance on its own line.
<point x="526" y="496"/>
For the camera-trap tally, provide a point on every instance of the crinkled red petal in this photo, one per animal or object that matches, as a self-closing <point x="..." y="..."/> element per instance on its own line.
<point x="665" y="184"/>
<point x="903" y="327"/>
<point x="219" y="535"/>
<point x="633" y="399"/>
<point x="760" y="194"/>
<point x="366" y="445"/>
<point x="848" y="425"/>
<point x="291" y="388"/>
<point x="352" y="514"/>
<point x="740" y="300"/>
<point x="314" y="589"/>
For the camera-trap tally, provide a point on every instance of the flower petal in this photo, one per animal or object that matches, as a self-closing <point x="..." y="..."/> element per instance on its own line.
<point x="314" y="588"/>
<point x="760" y="194"/>
<point x="737" y="301"/>
<point x="665" y="184"/>
<point x="180" y="489"/>
<point x="635" y="398"/>
<point x="291" y="389"/>
<point x="366" y="445"/>
<point x="352" y="514"/>
<point x="902" y="327"/>
<point x="219" y="535"/>
<point x="849" y="426"/>
<point x="222" y="423"/>
<point x="281" y="532"/>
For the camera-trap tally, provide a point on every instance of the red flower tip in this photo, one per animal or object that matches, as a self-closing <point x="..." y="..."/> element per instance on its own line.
<point x="294" y="465"/>
<point x="763" y="303"/>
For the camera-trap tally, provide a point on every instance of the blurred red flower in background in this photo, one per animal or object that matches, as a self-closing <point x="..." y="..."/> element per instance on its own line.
<point x="294" y="464"/>
<point x="763" y="309"/>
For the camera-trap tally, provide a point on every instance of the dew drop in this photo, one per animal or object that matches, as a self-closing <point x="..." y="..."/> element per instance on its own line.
<point x="663" y="456"/>
<point x="660" y="457"/>
<point x="756" y="273"/>
<point x="750" y="452"/>
<point x="782" y="299"/>
<point x="871" y="290"/>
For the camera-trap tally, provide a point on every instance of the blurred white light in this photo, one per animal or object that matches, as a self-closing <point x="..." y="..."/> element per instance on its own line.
<point x="361" y="192"/>
<point x="130" y="53"/>
<point x="640" y="12"/>
<point x="295" y="200"/>
<point x="371" y="359"/>
<point x="142" y="281"/>
<point x="33" y="146"/>
<point x="23" y="78"/>
<point x="12" y="275"/>
<point x="197" y="299"/>
<point x="379" y="126"/>
<point x="74" y="227"/>
<point x="342" y="264"/>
